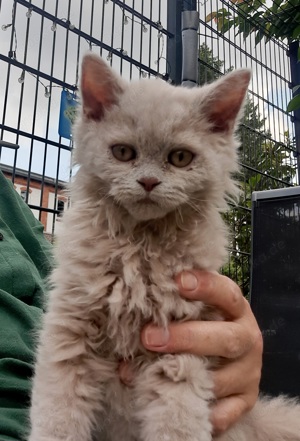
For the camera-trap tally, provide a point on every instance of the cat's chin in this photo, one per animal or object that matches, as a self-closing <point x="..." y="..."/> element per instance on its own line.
<point x="146" y="211"/>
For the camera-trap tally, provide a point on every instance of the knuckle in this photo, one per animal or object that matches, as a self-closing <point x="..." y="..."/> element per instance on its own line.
<point x="251" y="400"/>
<point x="255" y="396"/>
<point x="259" y="342"/>
<point x="245" y="405"/>
<point x="220" y="387"/>
<point x="235" y="294"/>
<point x="221" y="423"/>
<point x="256" y="378"/>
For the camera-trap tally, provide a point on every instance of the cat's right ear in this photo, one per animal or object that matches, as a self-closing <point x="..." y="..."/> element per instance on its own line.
<point x="100" y="87"/>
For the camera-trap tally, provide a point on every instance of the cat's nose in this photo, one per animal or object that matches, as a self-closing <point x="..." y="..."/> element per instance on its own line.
<point x="148" y="183"/>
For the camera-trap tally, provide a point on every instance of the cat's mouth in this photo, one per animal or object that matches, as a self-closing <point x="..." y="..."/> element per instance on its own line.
<point x="146" y="208"/>
<point x="147" y="201"/>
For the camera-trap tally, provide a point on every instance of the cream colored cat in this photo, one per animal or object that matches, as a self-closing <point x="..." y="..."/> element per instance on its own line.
<point x="155" y="171"/>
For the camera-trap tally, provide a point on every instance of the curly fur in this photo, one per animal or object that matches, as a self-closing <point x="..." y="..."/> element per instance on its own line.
<point x="118" y="251"/>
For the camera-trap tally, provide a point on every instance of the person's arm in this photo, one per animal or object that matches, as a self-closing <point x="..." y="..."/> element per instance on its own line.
<point x="25" y="260"/>
<point x="238" y="340"/>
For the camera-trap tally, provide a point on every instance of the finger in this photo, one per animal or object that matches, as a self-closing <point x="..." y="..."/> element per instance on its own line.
<point x="213" y="289"/>
<point x="228" y="411"/>
<point x="224" y="339"/>
<point x="238" y="377"/>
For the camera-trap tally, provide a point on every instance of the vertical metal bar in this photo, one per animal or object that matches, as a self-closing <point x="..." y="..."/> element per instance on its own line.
<point x="48" y="118"/>
<point x="32" y="144"/>
<point x="14" y="11"/>
<point x="141" y="37"/>
<point x="131" y="45"/>
<point x="79" y="41"/>
<point x="174" y="44"/>
<point x="150" y="35"/>
<point x="113" y="27"/>
<point x="160" y="40"/>
<point x="102" y="27"/>
<point x="122" y="42"/>
<point x="22" y="88"/>
<point x="59" y="149"/>
<point x="92" y="19"/>
<point x="295" y="81"/>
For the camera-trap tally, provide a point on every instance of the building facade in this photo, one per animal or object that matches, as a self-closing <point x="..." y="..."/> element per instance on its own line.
<point x="45" y="196"/>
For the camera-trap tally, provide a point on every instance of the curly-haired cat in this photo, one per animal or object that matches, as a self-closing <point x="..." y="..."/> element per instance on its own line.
<point x="155" y="171"/>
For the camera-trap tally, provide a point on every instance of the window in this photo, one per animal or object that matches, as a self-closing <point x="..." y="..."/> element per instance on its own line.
<point x="60" y="207"/>
<point x="24" y="195"/>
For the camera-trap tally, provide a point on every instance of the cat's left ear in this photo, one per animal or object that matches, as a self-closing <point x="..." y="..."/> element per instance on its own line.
<point x="223" y="104"/>
<point x="100" y="87"/>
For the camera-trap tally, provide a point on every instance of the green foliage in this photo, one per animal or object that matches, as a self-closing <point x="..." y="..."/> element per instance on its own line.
<point x="266" y="164"/>
<point x="294" y="104"/>
<point x="280" y="20"/>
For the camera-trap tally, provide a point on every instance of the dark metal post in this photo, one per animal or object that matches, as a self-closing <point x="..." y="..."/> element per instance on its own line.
<point x="190" y="24"/>
<point x="174" y="46"/>
<point x="189" y="5"/>
<point x="295" y="81"/>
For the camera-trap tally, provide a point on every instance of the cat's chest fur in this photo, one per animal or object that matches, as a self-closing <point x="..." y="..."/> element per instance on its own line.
<point x="123" y="282"/>
<point x="145" y="291"/>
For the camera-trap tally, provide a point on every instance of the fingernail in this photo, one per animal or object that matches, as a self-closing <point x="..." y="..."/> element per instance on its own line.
<point x="189" y="281"/>
<point x="156" y="336"/>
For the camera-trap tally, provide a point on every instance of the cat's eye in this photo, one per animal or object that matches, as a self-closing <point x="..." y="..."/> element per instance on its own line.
<point x="123" y="153"/>
<point x="180" y="158"/>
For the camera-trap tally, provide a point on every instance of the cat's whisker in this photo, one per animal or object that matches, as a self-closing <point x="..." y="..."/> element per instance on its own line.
<point x="193" y="206"/>
<point x="180" y="221"/>
<point x="198" y="210"/>
<point x="197" y="199"/>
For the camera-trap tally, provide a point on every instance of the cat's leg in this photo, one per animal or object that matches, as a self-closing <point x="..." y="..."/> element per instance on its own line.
<point x="122" y="430"/>
<point x="275" y="419"/>
<point x="68" y="382"/>
<point x="173" y="397"/>
<point x="121" y="425"/>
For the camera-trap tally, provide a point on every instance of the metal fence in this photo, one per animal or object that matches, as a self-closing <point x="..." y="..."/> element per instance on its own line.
<point x="41" y="46"/>
<point x="268" y="150"/>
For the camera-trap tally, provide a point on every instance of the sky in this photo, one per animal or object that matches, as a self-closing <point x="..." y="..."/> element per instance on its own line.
<point x="43" y="119"/>
<point x="19" y="110"/>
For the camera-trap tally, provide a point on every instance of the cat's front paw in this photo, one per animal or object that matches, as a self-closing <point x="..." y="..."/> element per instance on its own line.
<point x="172" y="397"/>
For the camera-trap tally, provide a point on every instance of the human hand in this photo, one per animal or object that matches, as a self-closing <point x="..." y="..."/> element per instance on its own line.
<point x="237" y="339"/>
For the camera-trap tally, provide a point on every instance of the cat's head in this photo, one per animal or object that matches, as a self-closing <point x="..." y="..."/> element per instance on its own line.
<point x="154" y="148"/>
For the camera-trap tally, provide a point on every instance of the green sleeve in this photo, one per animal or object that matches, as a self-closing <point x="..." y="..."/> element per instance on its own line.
<point x="25" y="261"/>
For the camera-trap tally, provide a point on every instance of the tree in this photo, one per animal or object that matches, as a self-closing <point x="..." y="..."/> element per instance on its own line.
<point x="280" y="20"/>
<point x="210" y="67"/>
<point x="265" y="165"/>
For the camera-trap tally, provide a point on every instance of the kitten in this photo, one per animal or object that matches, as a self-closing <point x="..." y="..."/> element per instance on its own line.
<point x="155" y="171"/>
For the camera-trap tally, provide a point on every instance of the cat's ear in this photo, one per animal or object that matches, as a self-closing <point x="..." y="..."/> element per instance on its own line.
<point x="223" y="104"/>
<point x="100" y="87"/>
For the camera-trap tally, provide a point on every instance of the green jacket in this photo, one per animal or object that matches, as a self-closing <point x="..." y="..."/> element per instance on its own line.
<point x="25" y="261"/>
